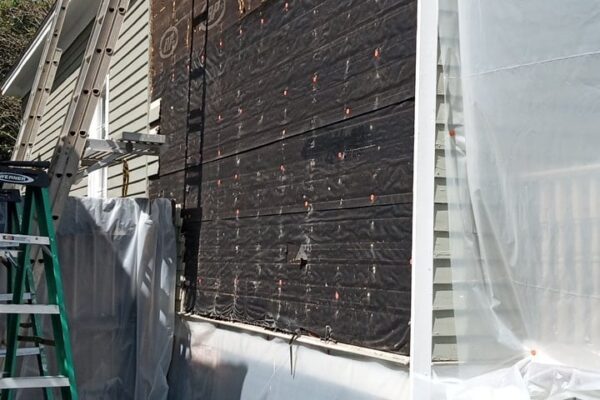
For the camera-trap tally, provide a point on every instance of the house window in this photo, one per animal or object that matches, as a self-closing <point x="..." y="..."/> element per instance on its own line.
<point x="97" y="180"/>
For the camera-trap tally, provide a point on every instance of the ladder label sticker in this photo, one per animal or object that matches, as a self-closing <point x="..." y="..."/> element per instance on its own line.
<point x="12" y="177"/>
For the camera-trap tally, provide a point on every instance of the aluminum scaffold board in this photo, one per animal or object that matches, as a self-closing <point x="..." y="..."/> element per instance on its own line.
<point x="101" y="153"/>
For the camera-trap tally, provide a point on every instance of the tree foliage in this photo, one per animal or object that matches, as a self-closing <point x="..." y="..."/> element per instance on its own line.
<point x="19" y="22"/>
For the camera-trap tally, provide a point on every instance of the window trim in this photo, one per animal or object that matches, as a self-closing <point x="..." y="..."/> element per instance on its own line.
<point x="99" y="188"/>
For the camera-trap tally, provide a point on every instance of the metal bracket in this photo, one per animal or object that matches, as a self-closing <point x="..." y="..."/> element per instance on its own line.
<point x="101" y="153"/>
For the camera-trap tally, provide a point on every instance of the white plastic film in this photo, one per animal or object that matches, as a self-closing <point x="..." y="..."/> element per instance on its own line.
<point x="118" y="261"/>
<point x="523" y="175"/>
<point x="212" y="363"/>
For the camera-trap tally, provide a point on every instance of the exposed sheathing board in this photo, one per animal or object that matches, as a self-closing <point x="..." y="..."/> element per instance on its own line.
<point x="291" y="146"/>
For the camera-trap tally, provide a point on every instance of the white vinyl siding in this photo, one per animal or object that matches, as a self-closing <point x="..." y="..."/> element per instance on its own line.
<point x="444" y="331"/>
<point x="128" y="107"/>
<point x="127" y="103"/>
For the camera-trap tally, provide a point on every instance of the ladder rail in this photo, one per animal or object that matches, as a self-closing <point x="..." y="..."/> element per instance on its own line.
<point x="10" y="362"/>
<point x="36" y="213"/>
<point x="71" y="145"/>
<point x="42" y="85"/>
<point x="10" y="261"/>
<point x="55" y="289"/>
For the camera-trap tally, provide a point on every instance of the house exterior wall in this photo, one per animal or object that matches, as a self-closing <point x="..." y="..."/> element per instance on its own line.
<point x="305" y="114"/>
<point x="127" y="104"/>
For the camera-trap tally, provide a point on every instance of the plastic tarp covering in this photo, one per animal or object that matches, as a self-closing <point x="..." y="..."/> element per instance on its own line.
<point x="211" y="363"/>
<point x="298" y="151"/>
<point x="118" y="260"/>
<point x="523" y="167"/>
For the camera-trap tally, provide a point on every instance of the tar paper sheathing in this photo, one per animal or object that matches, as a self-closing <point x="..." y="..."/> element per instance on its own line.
<point x="118" y="264"/>
<point x="290" y="126"/>
<point x="523" y="186"/>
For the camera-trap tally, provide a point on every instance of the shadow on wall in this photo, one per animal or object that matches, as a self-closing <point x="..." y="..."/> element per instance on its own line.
<point x="203" y="379"/>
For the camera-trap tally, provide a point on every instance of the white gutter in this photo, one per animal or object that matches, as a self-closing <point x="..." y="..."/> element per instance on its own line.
<point x="28" y="54"/>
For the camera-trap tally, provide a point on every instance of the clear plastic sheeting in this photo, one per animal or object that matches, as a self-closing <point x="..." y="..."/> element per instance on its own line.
<point x="212" y="363"/>
<point x="118" y="260"/>
<point x="521" y="105"/>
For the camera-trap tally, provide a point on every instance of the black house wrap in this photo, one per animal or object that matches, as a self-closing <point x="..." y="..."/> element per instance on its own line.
<point x="290" y="125"/>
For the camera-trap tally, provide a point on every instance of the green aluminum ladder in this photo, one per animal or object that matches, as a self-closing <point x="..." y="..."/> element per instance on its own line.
<point x="27" y="227"/>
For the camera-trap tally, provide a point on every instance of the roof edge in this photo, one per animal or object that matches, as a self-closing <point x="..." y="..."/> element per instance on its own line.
<point x="40" y="35"/>
<point x="31" y="49"/>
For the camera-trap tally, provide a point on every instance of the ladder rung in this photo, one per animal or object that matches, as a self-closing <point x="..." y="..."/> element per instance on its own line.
<point x="23" y="352"/>
<point x="8" y="239"/>
<point x="29" y="309"/>
<point x="34" y="382"/>
<point x="36" y="339"/>
<point x="9" y="253"/>
<point x="9" y="296"/>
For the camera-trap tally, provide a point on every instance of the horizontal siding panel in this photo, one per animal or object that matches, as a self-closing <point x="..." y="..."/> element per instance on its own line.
<point x="51" y="125"/>
<point x="72" y="57"/>
<point x="135" y="111"/>
<point x="441" y="223"/>
<point x="133" y="36"/>
<point x="441" y="247"/>
<point x="133" y="62"/>
<point x="128" y="103"/>
<point x="444" y="350"/>
<point x="136" y="189"/>
<point x="440" y="137"/>
<point x="79" y="187"/>
<point x="133" y="6"/>
<point x="443" y="300"/>
<point x="135" y="65"/>
<point x="139" y="47"/>
<point x="443" y="114"/>
<point x="137" y="8"/>
<point x="134" y="177"/>
<point x="442" y="272"/>
<point x="152" y="166"/>
<point x="137" y="170"/>
<point x="134" y="164"/>
<point x="138" y="125"/>
<point x="444" y="325"/>
<point x="444" y="322"/>
<point x="440" y="164"/>
<point x="128" y="108"/>
<point x="136" y="95"/>
<point x="441" y="191"/>
<point x="79" y="192"/>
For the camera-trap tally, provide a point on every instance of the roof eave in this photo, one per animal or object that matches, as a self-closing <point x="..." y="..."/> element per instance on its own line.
<point x="35" y="45"/>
